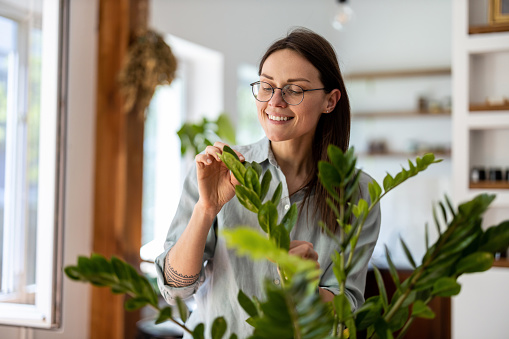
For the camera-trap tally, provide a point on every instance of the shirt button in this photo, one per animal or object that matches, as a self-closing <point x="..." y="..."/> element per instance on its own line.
<point x="287" y="207"/>
<point x="276" y="281"/>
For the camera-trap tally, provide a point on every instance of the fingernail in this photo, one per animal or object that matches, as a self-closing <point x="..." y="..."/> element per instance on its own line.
<point x="209" y="161"/>
<point x="241" y="157"/>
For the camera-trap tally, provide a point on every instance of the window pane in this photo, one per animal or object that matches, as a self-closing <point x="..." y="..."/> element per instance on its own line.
<point x="30" y="212"/>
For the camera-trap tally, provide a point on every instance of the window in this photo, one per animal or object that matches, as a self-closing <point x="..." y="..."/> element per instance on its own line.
<point x="30" y="184"/>
<point x="249" y="128"/>
<point x="196" y="92"/>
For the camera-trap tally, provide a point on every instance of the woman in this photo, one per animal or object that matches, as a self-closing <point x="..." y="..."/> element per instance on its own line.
<point x="303" y="107"/>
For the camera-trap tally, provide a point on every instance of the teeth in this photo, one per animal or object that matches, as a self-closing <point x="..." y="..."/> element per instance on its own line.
<point x="273" y="117"/>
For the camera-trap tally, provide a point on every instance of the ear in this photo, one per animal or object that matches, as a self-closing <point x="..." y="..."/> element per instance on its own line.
<point x="332" y="99"/>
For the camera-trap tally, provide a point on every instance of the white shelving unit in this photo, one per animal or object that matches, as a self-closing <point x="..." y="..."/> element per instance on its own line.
<point x="468" y="52"/>
<point x="480" y="134"/>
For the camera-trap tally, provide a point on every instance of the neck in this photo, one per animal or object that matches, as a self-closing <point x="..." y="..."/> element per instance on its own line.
<point x="294" y="158"/>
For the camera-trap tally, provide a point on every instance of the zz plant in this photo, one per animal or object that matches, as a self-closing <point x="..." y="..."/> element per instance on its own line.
<point x="295" y="310"/>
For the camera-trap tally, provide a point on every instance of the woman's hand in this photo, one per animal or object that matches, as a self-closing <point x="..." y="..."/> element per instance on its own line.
<point x="216" y="185"/>
<point x="304" y="249"/>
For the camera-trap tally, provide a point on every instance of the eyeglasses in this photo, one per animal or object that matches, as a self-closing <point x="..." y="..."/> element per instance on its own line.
<point x="292" y="94"/>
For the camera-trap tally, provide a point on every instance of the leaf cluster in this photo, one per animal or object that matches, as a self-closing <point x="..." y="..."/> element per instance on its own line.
<point x="195" y="137"/>
<point x="251" y="193"/>
<point x="122" y="278"/>
<point x="462" y="247"/>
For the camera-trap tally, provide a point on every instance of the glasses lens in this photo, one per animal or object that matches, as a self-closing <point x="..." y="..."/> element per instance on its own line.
<point x="293" y="94"/>
<point x="262" y="91"/>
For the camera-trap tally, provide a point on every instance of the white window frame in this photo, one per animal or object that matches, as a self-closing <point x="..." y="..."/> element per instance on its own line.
<point x="46" y="311"/>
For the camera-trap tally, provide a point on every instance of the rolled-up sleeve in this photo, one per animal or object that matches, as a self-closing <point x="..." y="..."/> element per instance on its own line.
<point x="185" y="208"/>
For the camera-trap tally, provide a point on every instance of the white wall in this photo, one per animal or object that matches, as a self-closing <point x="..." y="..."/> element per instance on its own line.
<point x="385" y="34"/>
<point x="80" y="169"/>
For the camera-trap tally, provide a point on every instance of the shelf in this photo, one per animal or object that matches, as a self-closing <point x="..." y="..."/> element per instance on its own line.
<point x="392" y="114"/>
<point x="490" y="185"/>
<point x="501" y="263"/>
<point x="486" y="43"/>
<point x="485" y="107"/>
<point x="487" y="29"/>
<point x="488" y="120"/>
<point x="408" y="155"/>
<point x="399" y="74"/>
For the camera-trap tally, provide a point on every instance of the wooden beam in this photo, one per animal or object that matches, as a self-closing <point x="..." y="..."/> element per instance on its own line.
<point x="119" y="164"/>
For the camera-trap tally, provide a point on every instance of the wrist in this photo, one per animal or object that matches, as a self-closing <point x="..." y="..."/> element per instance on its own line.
<point x="206" y="210"/>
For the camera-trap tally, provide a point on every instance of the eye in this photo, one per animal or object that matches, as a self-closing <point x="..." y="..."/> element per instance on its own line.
<point x="265" y="87"/>
<point x="293" y="90"/>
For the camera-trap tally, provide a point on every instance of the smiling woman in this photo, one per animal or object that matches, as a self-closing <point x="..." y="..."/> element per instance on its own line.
<point x="302" y="107"/>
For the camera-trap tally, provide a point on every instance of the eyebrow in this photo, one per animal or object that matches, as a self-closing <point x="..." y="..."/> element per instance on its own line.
<point x="289" y="80"/>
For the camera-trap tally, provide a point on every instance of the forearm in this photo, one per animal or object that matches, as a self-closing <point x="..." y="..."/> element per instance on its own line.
<point x="184" y="261"/>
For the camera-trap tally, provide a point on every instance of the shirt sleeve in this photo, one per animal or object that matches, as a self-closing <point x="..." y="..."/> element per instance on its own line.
<point x="356" y="282"/>
<point x="185" y="208"/>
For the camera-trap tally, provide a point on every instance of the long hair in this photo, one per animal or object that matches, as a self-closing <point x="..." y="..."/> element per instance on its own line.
<point x="334" y="127"/>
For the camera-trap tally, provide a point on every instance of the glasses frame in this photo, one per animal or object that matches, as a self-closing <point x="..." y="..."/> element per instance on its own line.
<point x="282" y="92"/>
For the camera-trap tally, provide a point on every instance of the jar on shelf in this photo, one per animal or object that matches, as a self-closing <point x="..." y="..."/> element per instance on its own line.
<point x="495" y="174"/>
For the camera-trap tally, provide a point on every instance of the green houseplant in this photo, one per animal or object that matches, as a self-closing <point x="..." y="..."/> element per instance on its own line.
<point x="295" y="310"/>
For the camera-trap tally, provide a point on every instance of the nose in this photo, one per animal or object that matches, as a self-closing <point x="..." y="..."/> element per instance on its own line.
<point x="277" y="98"/>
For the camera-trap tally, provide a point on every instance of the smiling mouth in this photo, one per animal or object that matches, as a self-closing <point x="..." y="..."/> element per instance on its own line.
<point x="276" y="118"/>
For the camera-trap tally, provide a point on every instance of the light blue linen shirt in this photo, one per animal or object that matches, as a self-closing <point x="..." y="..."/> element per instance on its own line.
<point x="215" y="292"/>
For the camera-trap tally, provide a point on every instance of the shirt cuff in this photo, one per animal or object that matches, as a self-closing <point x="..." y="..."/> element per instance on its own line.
<point x="170" y="293"/>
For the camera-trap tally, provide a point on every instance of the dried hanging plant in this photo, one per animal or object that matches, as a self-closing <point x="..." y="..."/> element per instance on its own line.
<point x="149" y="62"/>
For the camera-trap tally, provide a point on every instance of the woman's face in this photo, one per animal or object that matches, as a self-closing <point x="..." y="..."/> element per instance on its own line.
<point x="283" y="122"/>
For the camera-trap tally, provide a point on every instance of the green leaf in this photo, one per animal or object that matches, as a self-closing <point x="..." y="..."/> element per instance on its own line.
<point x="267" y="177"/>
<point x="407" y="253"/>
<point x="392" y="268"/>
<point x="276" y="197"/>
<point x="290" y="218"/>
<point x="183" y="311"/>
<point x="257" y="167"/>
<point x="421" y="310"/>
<point x="218" y="328"/>
<point x="251" y="180"/>
<point x="388" y="182"/>
<point x="225" y="129"/>
<point x="234" y="165"/>
<point x="496" y="238"/>
<point x="119" y="268"/>
<point x="247" y="304"/>
<point x="233" y="336"/>
<point x="281" y="237"/>
<point x="475" y="262"/>
<point x="342" y="307"/>
<point x="230" y="151"/>
<point x="85" y="266"/>
<point x="248" y="198"/>
<point x="164" y="315"/>
<point x="267" y="217"/>
<point x="374" y="191"/>
<point x="368" y="313"/>
<point x="446" y="287"/>
<point x="399" y="319"/>
<point x="135" y="303"/>
<point x="199" y="331"/>
<point x="381" y="288"/>
<point x="247" y="241"/>
<point x="73" y="273"/>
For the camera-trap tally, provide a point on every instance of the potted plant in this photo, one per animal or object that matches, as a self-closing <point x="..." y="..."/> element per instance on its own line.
<point x="294" y="309"/>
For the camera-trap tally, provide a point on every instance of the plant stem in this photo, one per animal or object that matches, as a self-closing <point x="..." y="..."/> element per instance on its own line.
<point x="405" y="328"/>
<point x="156" y="308"/>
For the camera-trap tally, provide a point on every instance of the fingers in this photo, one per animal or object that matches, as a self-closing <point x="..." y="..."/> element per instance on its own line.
<point x="220" y="145"/>
<point x="303" y="249"/>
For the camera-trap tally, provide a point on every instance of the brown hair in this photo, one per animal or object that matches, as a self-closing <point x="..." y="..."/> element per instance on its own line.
<point x="334" y="127"/>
